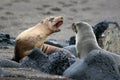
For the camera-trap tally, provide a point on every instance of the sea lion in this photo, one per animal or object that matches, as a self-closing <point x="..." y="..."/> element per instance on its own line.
<point x="35" y="36"/>
<point x="93" y="60"/>
<point x="86" y="40"/>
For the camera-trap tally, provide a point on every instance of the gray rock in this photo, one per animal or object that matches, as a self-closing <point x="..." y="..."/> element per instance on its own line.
<point x="6" y="63"/>
<point x="97" y="65"/>
<point x="111" y="40"/>
<point x="35" y="59"/>
<point x="72" y="49"/>
<point x="56" y="63"/>
<point x="100" y="27"/>
<point x="6" y="39"/>
<point x="1" y="72"/>
<point x="54" y="43"/>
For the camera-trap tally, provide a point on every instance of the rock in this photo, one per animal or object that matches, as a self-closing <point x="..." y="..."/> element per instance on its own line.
<point x="71" y="40"/>
<point x="100" y="27"/>
<point x="72" y="49"/>
<point x="54" y="43"/>
<point x="111" y="39"/>
<point x="36" y="59"/>
<point x="6" y="39"/>
<point x="97" y="65"/>
<point x="1" y="72"/>
<point x="55" y="63"/>
<point x="58" y="63"/>
<point x="6" y="63"/>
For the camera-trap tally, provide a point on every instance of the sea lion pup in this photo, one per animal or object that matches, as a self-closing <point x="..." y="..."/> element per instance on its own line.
<point x="86" y="41"/>
<point x="35" y="36"/>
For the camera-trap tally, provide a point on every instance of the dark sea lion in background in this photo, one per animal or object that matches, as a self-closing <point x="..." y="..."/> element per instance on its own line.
<point x="95" y="63"/>
<point x="35" y="36"/>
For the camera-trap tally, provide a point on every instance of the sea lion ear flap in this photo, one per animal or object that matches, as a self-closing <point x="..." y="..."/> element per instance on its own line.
<point x="74" y="28"/>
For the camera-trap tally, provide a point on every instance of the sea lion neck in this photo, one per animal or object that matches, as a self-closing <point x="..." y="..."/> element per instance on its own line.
<point x="43" y="28"/>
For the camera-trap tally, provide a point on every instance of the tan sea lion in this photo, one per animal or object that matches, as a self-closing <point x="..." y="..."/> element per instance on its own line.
<point x="35" y="36"/>
<point x="86" y="41"/>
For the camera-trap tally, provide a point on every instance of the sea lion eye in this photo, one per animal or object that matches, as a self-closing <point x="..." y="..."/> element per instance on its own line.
<point x="51" y="19"/>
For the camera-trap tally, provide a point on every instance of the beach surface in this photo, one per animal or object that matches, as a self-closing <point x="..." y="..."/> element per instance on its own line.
<point x="18" y="15"/>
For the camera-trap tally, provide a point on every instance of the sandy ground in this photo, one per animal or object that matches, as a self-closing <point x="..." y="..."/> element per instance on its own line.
<point x="18" y="15"/>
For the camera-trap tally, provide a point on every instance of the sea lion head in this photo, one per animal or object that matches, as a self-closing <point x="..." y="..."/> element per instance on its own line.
<point x="85" y="38"/>
<point x="79" y="25"/>
<point x="53" y="22"/>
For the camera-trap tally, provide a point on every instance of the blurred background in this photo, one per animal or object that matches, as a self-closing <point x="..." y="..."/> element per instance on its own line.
<point x="18" y="15"/>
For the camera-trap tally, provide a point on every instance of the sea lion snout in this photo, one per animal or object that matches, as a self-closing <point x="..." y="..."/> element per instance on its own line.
<point x="74" y="27"/>
<point x="59" y="18"/>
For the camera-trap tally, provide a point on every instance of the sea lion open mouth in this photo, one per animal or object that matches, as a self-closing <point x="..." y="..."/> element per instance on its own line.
<point x="58" y="24"/>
